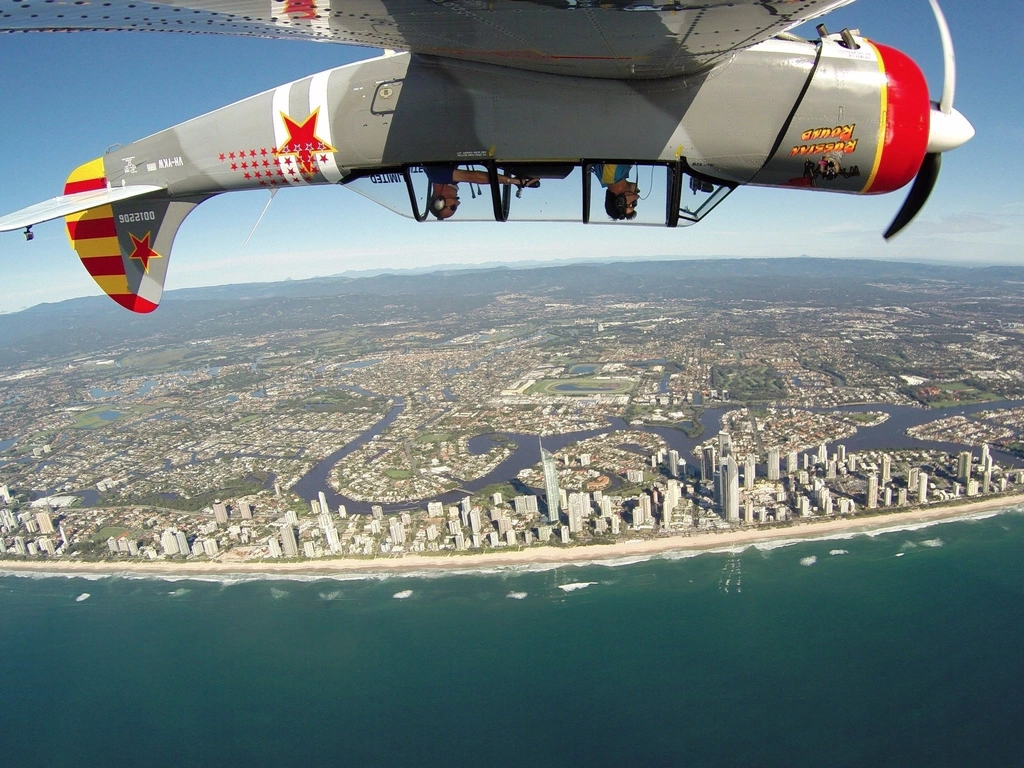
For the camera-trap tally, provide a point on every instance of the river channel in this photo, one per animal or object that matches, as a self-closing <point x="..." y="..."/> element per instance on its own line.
<point x="889" y="435"/>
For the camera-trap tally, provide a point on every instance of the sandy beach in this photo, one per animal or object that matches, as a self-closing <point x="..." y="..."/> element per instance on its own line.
<point x="800" y="530"/>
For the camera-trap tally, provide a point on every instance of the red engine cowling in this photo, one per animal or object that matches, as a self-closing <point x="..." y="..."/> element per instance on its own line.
<point x="905" y="122"/>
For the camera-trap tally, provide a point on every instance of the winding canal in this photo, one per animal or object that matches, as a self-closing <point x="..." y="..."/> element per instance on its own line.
<point x="889" y="435"/>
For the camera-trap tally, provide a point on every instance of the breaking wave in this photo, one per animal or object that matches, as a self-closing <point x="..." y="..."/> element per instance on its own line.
<point x="576" y="585"/>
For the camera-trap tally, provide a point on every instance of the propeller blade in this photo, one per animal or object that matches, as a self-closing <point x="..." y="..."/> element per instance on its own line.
<point x="949" y="59"/>
<point x="919" y="192"/>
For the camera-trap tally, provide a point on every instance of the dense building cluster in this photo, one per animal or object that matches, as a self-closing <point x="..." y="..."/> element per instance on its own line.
<point x="211" y="437"/>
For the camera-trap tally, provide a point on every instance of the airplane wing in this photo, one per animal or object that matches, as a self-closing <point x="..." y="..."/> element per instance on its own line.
<point x="623" y="39"/>
<point x="66" y="205"/>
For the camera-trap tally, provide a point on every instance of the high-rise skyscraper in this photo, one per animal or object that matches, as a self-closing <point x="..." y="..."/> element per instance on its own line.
<point x="792" y="463"/>
<point x="169" y="542"/>
<point x="873" y="491"/>
<point x="886" y="468"/>
<point x="45" y="522"/>
<point x="749" y="471"/>
<point x="672" y="496"/>
<point x="774" y="472"/>
<point x="273" y="547"/>
<point x="642" y="511"/>
<point x="730" y="489"/>
<point x="397" y="530"/>
<point x="220" y="512"/>
<point x="578" y="509"/>
<point x="290" y="545"/>
<point x="673" y="463"/>
<point x="551" y="490"/>
<point x="182" y="541"/>
<point x="708" y="463"/>
<point x="333" y="540"/>
<point x="724" y="443"/>
<point x="963" y="466"/>
<point x="922" y="487"/>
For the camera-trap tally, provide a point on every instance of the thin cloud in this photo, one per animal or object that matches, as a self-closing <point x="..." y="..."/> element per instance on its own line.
<point x="965" y="224"/>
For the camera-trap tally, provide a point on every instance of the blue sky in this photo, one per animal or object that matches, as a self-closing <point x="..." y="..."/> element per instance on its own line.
<point x="68" y="97"/>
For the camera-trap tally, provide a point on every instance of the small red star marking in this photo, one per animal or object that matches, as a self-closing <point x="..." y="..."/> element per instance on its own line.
<point x="234" y="166"/>
<point x="231" y="155"/>
<point x="246" y="175"/>
<point x="142" y="250"/>
<point x="222" y="157"/>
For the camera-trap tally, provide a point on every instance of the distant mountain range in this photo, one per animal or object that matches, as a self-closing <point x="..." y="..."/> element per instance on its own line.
<point x="85" y="325"/>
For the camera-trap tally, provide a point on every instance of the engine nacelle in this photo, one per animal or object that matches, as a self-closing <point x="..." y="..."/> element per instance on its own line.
<point x="876" y="140"/>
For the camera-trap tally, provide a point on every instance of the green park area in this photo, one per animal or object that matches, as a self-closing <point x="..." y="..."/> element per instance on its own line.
<point x="102" y="415"/>
<point x="747" y="383"/>
<point x="947" y="394"/>
<point x="582" y="386"/>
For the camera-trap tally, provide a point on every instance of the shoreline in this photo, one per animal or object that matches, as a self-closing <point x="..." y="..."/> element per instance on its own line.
<point x="709" y="541"/>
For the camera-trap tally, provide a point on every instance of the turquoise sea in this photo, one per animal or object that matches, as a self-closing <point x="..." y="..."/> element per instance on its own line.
<point x="902" y="649"/>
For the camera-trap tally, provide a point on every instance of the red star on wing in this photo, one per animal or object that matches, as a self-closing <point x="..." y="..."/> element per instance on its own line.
<point x="142" y="250"/>
<point x="303" y="143"/>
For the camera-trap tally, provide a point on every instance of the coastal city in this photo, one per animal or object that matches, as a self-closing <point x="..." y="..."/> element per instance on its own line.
<point x="536" y="415"/>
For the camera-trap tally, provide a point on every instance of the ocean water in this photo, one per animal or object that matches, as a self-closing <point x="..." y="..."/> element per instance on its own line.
<point x="900" y="649"/>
